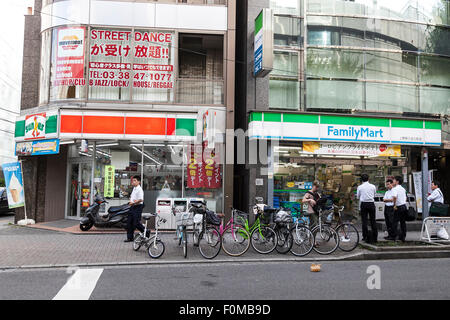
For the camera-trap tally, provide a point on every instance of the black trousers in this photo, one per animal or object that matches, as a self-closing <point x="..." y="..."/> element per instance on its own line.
<point x="368" y="215"/>
<point x="134" y="221"/>
<point x="399" y="216"/>
<point x="389" y="220"/>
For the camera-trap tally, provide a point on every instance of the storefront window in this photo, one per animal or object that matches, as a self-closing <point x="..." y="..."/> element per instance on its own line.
<point x="287" y="31"/>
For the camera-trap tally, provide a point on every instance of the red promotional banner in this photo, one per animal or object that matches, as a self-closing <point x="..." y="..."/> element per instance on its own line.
<point x="194" y="167"/>
<point x="70" y="56"/>
<point x="203" y="170"/>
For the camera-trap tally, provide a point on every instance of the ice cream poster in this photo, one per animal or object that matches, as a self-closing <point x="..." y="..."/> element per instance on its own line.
<point x="14" y="184"/>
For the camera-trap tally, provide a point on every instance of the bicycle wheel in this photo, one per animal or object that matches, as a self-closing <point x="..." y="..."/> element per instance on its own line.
<point x="326" y="240"/>
<point x="348" y="237"/>
<point x="235" y="241"/>
<point x="156" y="248"/>
<point x="285" y="240"/>
<point x="138" y="241"/>
<point x="209" y="242"/>
<point x="184" y="242"/>
<point x="303" y="240"/>
<point x="263" y="240"/>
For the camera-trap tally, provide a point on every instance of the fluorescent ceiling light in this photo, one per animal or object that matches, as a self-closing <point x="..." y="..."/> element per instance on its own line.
<point x="108" y="144"/>
<point x="67" y="142"/>
<point x="146" y="155"/>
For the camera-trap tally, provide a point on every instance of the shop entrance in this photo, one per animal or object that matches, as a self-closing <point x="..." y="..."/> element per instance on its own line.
<point x="80" y="173"/>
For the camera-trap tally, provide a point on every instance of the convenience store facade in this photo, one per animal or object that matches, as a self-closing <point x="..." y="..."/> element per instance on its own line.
<point x="335" y="150"/>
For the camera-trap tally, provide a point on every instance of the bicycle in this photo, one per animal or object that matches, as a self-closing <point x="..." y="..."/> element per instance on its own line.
<point x="303" y="238"/>
<point x="263" y="238"/>
<point x="347" y="232"/>
<point x="206" y="236"/>
<point x="284" y="235"/>
<point x="326" y="239"/>
<point x="183" y="219"/>
<point x="155" y="246"/>
<point x="235" y="238"/>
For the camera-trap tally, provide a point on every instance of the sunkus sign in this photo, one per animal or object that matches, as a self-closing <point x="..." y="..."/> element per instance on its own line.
<point x="312" y="127"/>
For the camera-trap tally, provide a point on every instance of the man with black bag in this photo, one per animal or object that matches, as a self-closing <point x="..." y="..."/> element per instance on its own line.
<point x="400" y="209"/>
<point x="436" y="201"/>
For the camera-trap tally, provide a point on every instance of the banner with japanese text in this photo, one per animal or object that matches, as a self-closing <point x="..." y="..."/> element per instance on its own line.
<point x="211" y="168"/>
<point x="352" y="149"/>
<point x="203" y="169"/>
<point x="194" y="166"/>
<point x="118" y="57"/>
<point x="109" y="182"/>
<point x="70" y="57"/>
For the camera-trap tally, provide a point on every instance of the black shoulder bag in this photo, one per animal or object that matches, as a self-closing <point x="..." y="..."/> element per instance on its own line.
<point x="438" y="209"/>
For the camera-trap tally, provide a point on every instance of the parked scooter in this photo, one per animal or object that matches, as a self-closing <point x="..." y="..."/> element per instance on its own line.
<point x="116" y="216"/>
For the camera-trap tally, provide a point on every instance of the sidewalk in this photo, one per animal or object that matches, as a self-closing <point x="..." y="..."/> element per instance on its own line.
<point x="26" y="247"/>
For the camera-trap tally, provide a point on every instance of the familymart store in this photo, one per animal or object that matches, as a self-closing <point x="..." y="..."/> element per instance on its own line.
<point x="69" y="155"/>
<point x="336" y="150"/>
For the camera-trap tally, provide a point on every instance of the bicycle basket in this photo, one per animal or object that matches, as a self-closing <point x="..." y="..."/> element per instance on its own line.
<point x="283" y="217"/>
<point x="212" y="218"/>
<point x="184" y="218"/>
<point x="239" y="217"/>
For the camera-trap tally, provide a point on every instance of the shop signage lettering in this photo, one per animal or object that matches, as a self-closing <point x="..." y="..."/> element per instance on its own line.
<point x="70" y="57"/>
<point x="35" y="126"/>
<point x="150" y="52"/>
<point x="109" y="182"/>
<point x="356" y="133"/>
<point x="353" y="149"/>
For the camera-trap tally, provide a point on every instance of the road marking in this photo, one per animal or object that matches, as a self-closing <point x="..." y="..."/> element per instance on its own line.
<point x="80" y="285"/>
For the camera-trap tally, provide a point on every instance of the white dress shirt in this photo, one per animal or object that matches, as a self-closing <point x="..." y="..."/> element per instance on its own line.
<point x="137" y="194"/>
<point x="435" y="196"/>
<point x="366" y="192"/>
<point x="400" y="193"/>
<point x="388" y="196"/>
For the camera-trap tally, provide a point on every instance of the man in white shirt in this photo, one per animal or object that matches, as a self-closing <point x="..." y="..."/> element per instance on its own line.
<point x="400" y="210"/>
<point x="436" y="195"/>
<point x="389" y="209"/>
<point x="135" y="214"/>
<point x="366" y="195"/>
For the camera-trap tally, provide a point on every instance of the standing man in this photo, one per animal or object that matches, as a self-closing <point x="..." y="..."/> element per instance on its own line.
<point x="366" y="195"/>
<point x="389" y="210"/>
<point x="136" y="203"/>
<point x="400" y="210"/>
<point x="436" y="195"/>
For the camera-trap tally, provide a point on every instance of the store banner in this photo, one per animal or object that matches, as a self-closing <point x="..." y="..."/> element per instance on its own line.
<point x="120" y="58"/>
<point x="109" y="182"/>
<point x="194" y="166"/>
<point x="12" y="173"/>
<point x="351" y="149"/>
<point x="37" y="148"/>
<point x="70" y="57"/>
<point x="211" y="168"/>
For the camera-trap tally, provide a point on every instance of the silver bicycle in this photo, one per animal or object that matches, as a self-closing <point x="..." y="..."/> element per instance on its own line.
<point x="155" y="246"/>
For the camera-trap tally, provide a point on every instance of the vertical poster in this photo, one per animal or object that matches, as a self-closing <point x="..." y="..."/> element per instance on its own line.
<point x="14" y="184"/>
<point x="194" y="166"/>
<point x="109" y="182"/>
<point x="211" y="168"/>
<point x="417" y="178"/>
<point x="70" y="57"/>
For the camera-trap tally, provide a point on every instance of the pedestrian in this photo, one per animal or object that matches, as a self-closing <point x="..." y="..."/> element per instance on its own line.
<point x="366" y="195"/>
<point x="311" y="197"/>
<point x="137" y="204"/>
<point x="389" y="210"/>
<point x="400" y="210"/>
<point x="436" y="195"/>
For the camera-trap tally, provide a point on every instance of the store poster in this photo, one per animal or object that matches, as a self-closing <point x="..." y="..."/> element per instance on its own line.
<point x="37" y="148"/>
<point x="417" y="179"/>
<point x="353" y="149"/>
<point x="194" y="166"/>
<point x="211" y="168"/>
<point x="12" y="173"/>
<point x="120" y="58"/>
<point x="109" y="182"/>
<point x="70" y="57"/>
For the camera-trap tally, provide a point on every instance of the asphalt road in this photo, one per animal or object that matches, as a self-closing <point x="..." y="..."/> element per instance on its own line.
<point x="398" y="279"/>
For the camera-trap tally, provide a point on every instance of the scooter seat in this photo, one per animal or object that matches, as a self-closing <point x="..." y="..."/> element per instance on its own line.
<point x="117" y="208"/>
<point x="147" y="216"/>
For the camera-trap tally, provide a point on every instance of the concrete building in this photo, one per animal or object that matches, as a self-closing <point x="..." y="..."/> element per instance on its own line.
<point x="340" y="67"/>
<point x="114" y="89"/>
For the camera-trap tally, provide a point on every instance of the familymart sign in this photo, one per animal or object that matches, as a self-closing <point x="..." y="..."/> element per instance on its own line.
<point x="304" y="127"/>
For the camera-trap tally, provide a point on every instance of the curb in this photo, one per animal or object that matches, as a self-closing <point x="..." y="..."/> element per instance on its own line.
<point x="360" y="256"/>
